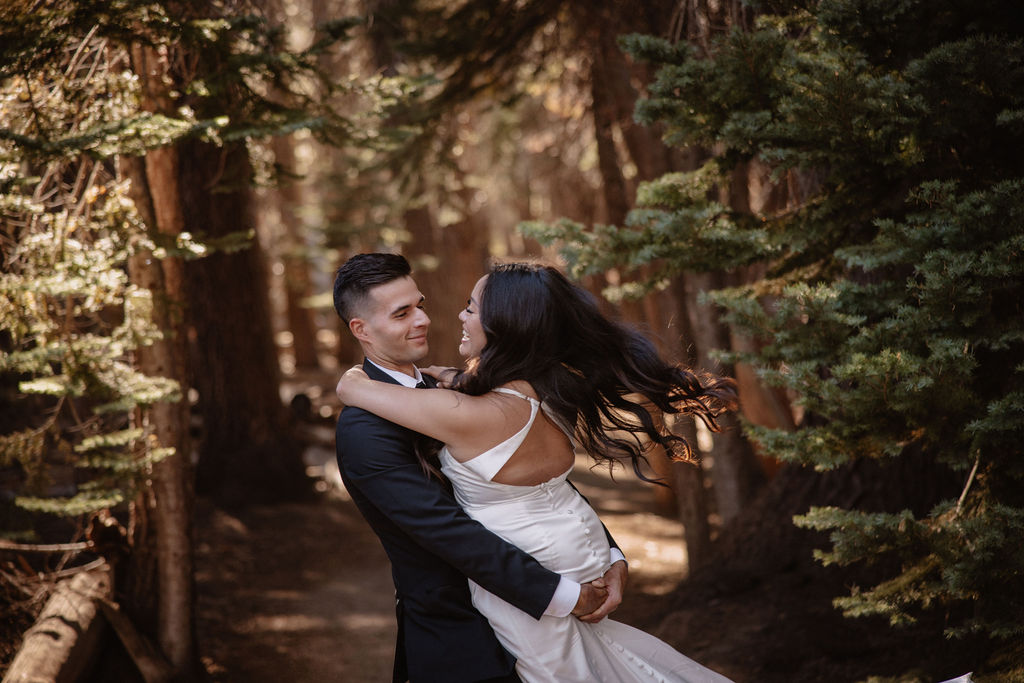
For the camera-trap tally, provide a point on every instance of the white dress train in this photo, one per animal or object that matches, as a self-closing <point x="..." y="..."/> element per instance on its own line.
<point x="553" y="523"/>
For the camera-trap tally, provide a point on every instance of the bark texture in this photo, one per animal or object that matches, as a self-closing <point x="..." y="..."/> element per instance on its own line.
<point x="161" y="527"/>
<point x="247" y="454"/>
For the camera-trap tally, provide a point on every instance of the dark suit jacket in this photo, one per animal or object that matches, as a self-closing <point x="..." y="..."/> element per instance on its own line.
<point x="433" y="546"/>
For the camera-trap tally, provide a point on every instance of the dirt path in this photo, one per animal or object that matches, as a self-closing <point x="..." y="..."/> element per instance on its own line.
<point x="303" y="592"/>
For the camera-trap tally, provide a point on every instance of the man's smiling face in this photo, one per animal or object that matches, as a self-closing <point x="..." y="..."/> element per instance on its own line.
<point x="393" y="327"/>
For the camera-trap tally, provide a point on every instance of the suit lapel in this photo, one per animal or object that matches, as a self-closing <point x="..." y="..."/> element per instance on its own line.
<point x="373" y="372"/>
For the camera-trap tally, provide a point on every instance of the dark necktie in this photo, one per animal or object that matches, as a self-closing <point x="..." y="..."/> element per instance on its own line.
<point x="421" y="385"/>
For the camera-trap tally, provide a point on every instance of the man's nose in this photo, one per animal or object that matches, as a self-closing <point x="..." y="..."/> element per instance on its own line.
<point x="422" y="319"/>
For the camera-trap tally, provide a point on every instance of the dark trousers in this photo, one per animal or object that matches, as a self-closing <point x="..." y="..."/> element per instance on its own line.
<point x="511" y="678"/>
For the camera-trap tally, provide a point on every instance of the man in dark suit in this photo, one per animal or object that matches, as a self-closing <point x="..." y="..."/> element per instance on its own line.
<point x="432" y="544"/>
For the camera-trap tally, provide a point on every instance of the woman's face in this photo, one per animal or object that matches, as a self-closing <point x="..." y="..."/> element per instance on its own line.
<point x="473" y="338"/>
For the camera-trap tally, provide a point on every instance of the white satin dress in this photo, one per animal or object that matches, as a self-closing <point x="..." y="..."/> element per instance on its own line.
<point x="553" y="523"/>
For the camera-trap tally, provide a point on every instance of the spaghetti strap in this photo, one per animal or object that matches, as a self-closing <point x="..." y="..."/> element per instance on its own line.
<point x="552" y="415"/>
<point x="513" y="392"/>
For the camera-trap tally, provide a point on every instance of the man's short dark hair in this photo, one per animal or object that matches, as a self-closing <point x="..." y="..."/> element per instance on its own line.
<point x="360" y="274"/>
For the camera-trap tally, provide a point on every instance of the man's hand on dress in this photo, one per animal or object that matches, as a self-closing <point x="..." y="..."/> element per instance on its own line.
<point x="592" y="596"/>
<point x="614" y="583"/>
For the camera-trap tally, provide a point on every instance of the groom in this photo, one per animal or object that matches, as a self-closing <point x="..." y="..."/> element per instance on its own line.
<point x="432" y="544"/>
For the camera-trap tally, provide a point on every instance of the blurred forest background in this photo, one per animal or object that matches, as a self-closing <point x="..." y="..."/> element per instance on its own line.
<point x="823" y="199"/>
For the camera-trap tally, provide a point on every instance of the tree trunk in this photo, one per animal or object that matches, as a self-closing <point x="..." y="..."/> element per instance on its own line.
<point x="167" y="512"/>
<point x="612" y="101"/>
<point x="603" y="109"/>
<point x="692" y="501"/>
<point x="735" y="472"/>
<point x="162" y="517"/>
<point x="246" y="453"/>
<point x="464" y="249"/>
<point x="691" y="493"/>
<point x="289" y="197"/>
<point x="615" y="191"/>
<point x="330" y="165"/>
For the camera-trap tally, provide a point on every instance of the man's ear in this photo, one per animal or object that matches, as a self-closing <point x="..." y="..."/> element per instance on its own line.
<point x="358" y="328"/>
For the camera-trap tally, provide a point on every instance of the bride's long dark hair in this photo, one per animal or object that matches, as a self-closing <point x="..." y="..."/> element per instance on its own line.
<point x="590" y="371"/>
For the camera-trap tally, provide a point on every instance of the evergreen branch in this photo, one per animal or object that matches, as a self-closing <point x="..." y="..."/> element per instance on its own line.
<point x="134" y="134"/>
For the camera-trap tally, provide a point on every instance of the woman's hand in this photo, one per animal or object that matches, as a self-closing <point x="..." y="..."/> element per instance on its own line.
<point x="442" y="374"/>
<point x="352" y="377"/>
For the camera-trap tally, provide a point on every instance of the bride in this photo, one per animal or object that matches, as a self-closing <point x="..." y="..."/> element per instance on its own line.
<point x="546" y="367"/>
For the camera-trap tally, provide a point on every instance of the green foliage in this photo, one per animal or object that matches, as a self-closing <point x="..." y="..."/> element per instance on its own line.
<point x="891" y="304"/>
<point x="702" y="231"/>
<point x="243" y="81"/>
<point x="76" y="409"/>
<point x="72" y="321"/>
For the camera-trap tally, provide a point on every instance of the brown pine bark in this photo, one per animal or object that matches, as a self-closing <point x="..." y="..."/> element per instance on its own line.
<point x="431" y="270"/>
<point x="289" y="197"/>
<point x="330" y="164"/>
<point x="693" y="505"/>
<point x="464" y="253"/>
<point x="162" y="516"/>
<point x="617" y="194"/>
<point x="693" y="509"/>
<point x="603" y="110"/>
<point x="735" y="472"/>
<point x="164" y="513"/>
<point x="247" y="454"/>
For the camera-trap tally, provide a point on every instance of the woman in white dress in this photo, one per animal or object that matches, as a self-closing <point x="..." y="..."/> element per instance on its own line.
<point x="545" y="365"/>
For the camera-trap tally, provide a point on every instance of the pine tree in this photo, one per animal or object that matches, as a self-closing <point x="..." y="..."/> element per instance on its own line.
<point x="891" y="297"/>
<point x="80" y="419"/>
<point x="71" y="317"/>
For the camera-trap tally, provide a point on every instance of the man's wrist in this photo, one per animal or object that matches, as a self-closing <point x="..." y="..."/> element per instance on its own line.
<point x="567" y="594"/>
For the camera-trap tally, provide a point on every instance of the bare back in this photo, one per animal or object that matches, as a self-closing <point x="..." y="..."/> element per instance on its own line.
<point x="545" y="452"/>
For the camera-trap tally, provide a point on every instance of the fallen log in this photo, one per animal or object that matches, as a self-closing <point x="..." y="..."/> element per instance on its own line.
<point x="65" y="640"/>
